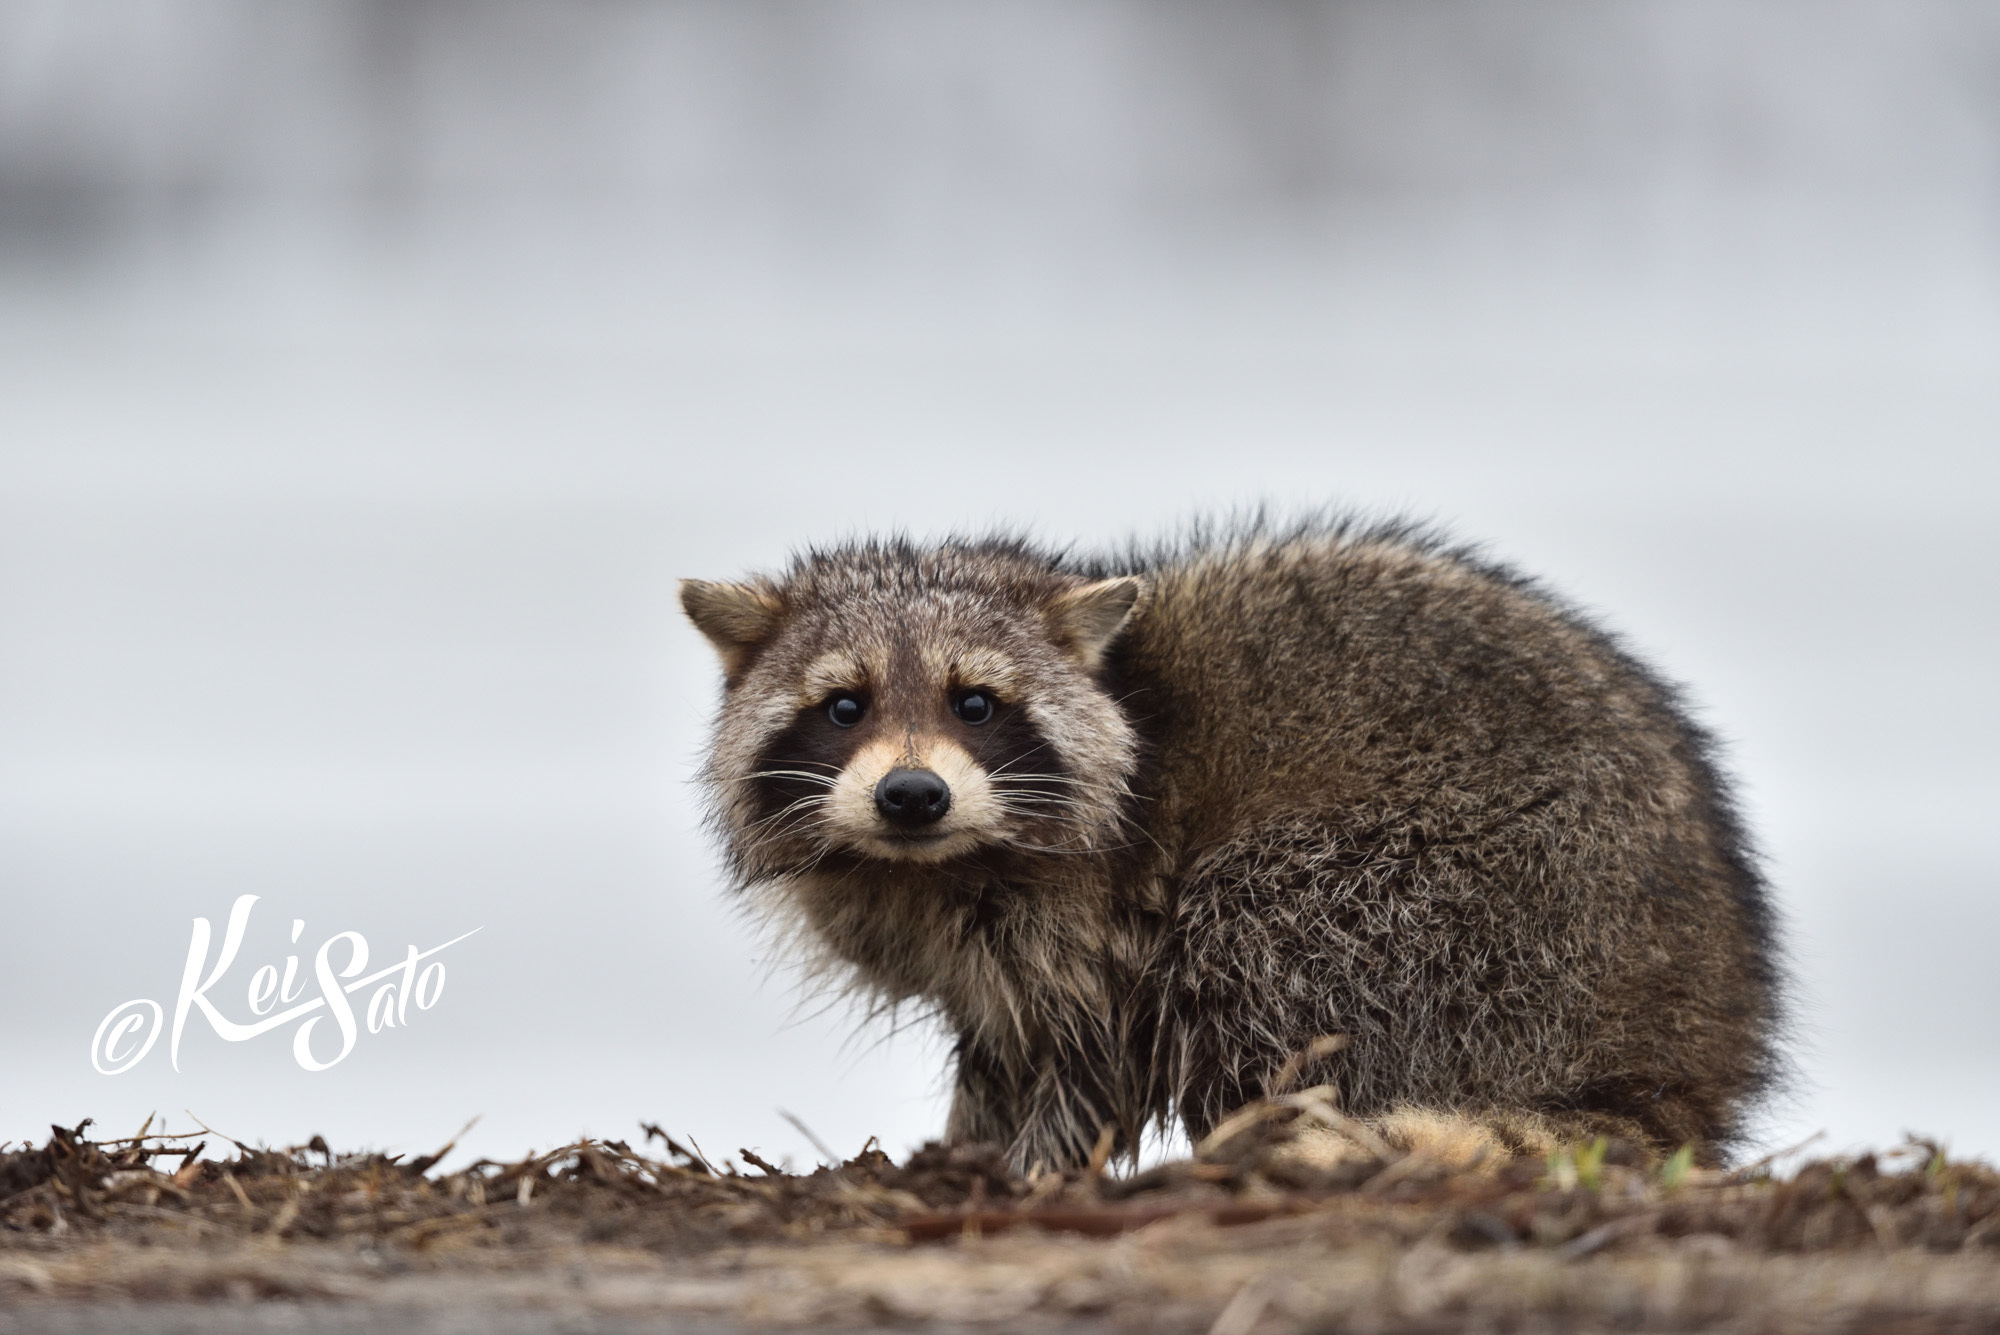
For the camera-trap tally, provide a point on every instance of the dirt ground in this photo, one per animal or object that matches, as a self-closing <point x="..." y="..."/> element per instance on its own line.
<point x="1290" y="1219"/>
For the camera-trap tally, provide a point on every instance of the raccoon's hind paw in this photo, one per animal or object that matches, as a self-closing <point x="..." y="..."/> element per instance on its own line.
<point x="1454" y="1142"/>
<point x="1459" y="1142"/>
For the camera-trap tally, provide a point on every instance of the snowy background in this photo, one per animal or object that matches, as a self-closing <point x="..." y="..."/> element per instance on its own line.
<point x="369" y="372"/>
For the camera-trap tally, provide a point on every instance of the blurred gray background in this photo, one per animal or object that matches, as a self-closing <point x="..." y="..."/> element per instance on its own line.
<point x="368" y="372"/>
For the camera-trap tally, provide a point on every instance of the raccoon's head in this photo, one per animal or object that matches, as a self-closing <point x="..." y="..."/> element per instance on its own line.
<point x="895" y="705"/>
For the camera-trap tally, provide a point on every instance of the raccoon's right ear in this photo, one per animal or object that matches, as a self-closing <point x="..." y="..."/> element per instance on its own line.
<point x="736" y="618"/>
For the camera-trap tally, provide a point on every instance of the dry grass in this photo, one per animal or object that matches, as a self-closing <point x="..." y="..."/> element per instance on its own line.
<point x="1289" y="1219"/>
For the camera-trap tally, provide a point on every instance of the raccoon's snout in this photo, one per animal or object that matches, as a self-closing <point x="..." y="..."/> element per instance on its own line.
<point x="912" y="797"/>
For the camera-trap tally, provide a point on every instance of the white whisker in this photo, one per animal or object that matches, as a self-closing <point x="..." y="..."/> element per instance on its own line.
<point x="828" y="779"/>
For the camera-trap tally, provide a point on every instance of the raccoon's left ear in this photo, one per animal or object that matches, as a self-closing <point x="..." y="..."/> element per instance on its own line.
<point x="1088" y="619"/>
<point x="737" y="618"/>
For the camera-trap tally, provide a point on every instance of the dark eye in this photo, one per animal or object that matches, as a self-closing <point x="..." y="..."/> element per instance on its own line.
<point x="975" y="707"/>
<point x="845" y="711"/>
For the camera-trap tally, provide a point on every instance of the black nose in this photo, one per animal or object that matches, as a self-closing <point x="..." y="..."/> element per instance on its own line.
<point x="912" y="797"/>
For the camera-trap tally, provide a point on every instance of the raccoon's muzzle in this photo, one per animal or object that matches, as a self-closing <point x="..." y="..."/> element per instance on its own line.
<point x="912" y="798"/>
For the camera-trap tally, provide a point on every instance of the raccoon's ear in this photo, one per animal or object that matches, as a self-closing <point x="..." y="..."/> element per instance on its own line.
<point x="1088" y="619"/>
<point x="737" y="618"/>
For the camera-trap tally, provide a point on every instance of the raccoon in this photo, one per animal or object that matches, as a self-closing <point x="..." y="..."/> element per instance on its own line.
<point x="1140" y="830"/>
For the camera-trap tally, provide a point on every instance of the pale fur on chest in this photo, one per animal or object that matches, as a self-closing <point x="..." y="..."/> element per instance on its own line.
<point x="1016" y="964"/>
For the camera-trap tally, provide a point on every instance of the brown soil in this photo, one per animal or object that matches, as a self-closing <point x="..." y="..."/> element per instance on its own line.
<point x="1251" y="1234"/>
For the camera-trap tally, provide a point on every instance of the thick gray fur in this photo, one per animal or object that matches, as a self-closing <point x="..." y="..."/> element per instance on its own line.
<point x="1333" y="779"/>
